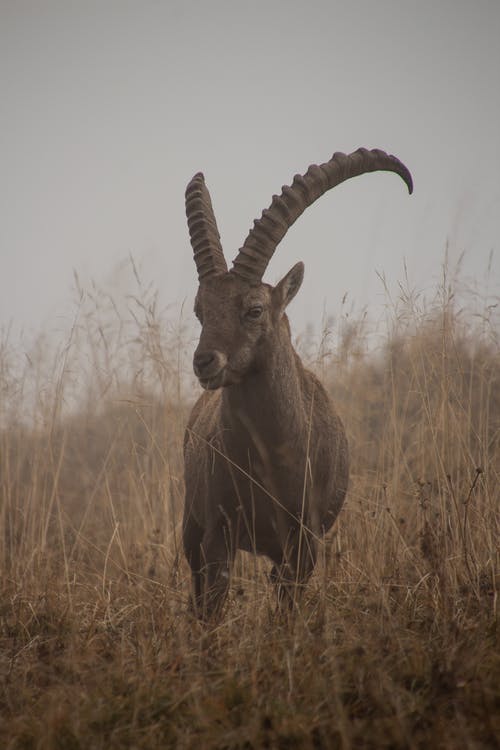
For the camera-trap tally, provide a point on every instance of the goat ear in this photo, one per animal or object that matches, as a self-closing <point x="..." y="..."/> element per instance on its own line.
<point x="287" y="288"/>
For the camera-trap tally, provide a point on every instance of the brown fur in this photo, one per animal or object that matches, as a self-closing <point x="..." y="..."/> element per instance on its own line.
<point x="266" y="459"/>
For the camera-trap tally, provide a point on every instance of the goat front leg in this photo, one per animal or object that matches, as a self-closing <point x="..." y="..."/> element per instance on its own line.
<point x="293" y="570"/>
<point x="192" y="537"/>
<point x="217" y="555"/>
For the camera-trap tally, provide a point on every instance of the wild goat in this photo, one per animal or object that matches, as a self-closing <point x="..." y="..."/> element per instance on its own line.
<point x="266" y="457"/>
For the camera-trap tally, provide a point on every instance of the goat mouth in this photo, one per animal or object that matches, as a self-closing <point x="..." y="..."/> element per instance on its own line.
<point x="213" y="382"/>
<point x="210" y="384"/>
<point x="221" y="379"/>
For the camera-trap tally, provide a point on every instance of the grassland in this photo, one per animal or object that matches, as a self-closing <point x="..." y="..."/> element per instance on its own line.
<point x="396" y="642"/>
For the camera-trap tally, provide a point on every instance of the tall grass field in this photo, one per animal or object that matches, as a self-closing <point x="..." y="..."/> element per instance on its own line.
<point x="395" y="642"/>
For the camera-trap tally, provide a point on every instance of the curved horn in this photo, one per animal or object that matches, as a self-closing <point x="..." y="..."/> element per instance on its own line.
<point x="268" y="231"/>
<point x="205" y="238"/>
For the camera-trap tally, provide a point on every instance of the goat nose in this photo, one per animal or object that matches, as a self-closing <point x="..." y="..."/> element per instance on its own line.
<point x="202" y="361"/>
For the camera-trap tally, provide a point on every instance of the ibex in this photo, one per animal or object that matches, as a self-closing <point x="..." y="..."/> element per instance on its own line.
<point x="266" y="456"/>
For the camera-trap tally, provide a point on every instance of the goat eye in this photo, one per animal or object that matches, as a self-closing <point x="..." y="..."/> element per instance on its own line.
<point x="254" y="312"/>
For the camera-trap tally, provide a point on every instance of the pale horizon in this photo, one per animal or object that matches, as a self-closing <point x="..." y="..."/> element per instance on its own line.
<point x="108" y="109"/>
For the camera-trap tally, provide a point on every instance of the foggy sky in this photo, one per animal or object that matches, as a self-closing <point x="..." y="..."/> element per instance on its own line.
<point x="108" y="108"/>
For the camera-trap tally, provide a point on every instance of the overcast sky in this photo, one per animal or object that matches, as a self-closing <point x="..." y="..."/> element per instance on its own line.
<point x="107" y="109"/>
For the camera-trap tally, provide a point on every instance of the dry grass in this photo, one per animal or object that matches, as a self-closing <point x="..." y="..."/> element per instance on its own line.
<point x="396" y="644"/>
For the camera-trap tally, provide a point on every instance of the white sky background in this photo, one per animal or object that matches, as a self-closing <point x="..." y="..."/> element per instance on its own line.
<point x="108" y="108"/>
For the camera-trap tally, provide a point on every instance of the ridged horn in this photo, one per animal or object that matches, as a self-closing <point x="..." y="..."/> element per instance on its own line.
<point x="205" y="238"/>
<point x="268" y="231"/>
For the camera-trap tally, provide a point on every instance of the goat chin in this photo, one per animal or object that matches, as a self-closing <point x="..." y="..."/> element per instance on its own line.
<point x="211" y="384"/>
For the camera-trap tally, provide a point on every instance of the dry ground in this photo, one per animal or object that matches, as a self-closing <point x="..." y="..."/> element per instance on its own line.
<point x="396" y="642"/>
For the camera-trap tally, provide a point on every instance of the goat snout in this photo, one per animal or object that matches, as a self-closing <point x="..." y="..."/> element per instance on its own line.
<point x="206" y="364"/>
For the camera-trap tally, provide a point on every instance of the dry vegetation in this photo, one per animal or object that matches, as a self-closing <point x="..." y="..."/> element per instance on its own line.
<point x="396" y="643"/>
